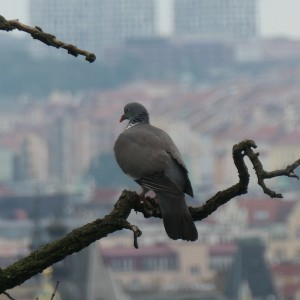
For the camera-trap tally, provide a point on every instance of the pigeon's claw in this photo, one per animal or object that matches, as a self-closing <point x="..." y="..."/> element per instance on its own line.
<point x="142" y="195"/>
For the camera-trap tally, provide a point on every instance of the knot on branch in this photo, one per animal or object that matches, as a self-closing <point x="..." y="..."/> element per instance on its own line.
<point x="72" y="50"/>
<point x="44" y="37"/>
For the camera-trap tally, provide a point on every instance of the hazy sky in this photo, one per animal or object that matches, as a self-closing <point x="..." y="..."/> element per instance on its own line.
<point x="278" y="17"/>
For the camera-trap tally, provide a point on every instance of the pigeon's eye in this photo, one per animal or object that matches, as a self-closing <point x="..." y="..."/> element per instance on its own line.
<point x="126" y="110"/>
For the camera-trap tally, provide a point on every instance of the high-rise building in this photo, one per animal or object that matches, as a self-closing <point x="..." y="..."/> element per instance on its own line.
<point x="97" y="25"/>
<point x="72" y="21"/>
<point x="216" y="19"/>
<point x="121" y="20"/>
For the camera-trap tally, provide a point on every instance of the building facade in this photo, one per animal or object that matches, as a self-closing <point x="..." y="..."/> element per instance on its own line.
<point x="230" y="19"/>
<point x="102" y="24"/>
<point x="71" y="21"/>
<point x="94" y="24"/>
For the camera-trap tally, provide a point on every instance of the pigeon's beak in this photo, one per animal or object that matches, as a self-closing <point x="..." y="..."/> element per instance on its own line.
<point x="122" y="118"/>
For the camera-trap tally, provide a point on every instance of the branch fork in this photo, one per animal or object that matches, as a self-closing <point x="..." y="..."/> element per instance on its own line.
<point x="129" y="201"/>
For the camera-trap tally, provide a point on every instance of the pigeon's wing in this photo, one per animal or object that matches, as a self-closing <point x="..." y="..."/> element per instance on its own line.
<point x="161" y="185"/>
<point x="145" y="150"/>
<point x="177" y="169"/>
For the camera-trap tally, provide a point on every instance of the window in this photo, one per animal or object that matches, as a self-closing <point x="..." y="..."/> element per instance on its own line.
<point x="298" y="232"/>
<point x="122" y="264"/>
<point x="279" y="232"/>
<point x="297" y="254"/>
<point x="261" y="215"/>
<point x="195" y="270"/>
<point x="159" y="263"/>
<point x="280" y="254"/>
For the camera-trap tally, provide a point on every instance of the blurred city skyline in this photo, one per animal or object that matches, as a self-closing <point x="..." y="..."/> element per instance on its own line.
<point x="277" y="19"/>
<point x="59" y="121"/>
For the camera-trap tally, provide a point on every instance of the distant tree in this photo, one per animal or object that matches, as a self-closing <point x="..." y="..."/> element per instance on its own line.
<point x="116" y="220"/>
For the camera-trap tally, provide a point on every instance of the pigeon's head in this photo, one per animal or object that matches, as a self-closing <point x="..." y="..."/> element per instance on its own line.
<point x="135" y="113"/>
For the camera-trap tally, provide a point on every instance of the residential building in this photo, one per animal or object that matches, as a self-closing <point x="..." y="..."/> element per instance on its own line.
<point x="61" y="146"/>
<point x="284" y="245"/>
<point x="274" y="221"/>
<point x="172" y="57"/>
<point x="7" y="158"/>
<point x="32" y="159"/>
<point x="159" y="266"/>
<point x="221" y="256"/>
<point x="152" y="265"/>
<point x="287" y="278"/>
<point x="285" y="151"/>
<point x="75" y="138"/>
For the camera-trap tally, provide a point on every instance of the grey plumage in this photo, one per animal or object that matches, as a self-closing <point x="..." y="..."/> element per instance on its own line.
<point x="148" y="155"/>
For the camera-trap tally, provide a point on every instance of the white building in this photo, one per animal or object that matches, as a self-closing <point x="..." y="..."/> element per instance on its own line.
<point x="94" y="24"/>
<point x="100" y="24"/>
<point x="220" y="19"/>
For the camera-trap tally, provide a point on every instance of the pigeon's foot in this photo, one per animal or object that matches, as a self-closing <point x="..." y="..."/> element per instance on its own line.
<point x="148" y="201"/>
<point x="153" y="201"/>
<point x="142" y="195"/>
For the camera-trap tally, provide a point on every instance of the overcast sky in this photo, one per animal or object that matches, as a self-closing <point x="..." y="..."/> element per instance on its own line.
<point x="278" y="17"/>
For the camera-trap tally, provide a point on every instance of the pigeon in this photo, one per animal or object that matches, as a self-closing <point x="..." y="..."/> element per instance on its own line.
<point x="149" y="156"/>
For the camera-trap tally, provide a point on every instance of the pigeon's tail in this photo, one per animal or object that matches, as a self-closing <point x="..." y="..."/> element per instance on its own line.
<point x="177" y="219"/>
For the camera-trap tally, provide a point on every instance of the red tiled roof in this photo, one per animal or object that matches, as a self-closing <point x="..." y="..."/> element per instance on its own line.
<point x="264" y="133"/>
<point x="6" y="190"/>
<point x="158" y="250"/>
<point x="290" y="139"/>
<point x="104" y="195"/>
<point x="267" y="211"/>
<point x="290" y="290"/>
<point x="287" y="269"/>
<point x="222" y="249"/>
<point x="289" y="274"/>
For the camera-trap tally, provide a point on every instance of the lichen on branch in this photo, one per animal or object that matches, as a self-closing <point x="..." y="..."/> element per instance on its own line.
<point x="46" y="38"/>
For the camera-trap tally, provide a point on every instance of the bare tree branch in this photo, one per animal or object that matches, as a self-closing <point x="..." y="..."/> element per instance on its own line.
<point x="8" y="296"/>
<point x="116" y="220"/>
<point x="55" y="290"/>
<point x="73" y="242"/>
<point x="46" y="38"/>
<point x="262" y="174"/>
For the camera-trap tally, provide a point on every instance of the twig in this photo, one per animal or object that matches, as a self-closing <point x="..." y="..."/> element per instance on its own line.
<point x="136" y="233"/>
<point x="81" y="237"/>
<point x="240" y="188"/>
<point x="55" y="290"/>
<point x="46" y="38"/>
<point x="262" y="174"/>
<point x="9" y="296"/>
<point x="124" y="224"/>
<point x="239" y="151"/>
